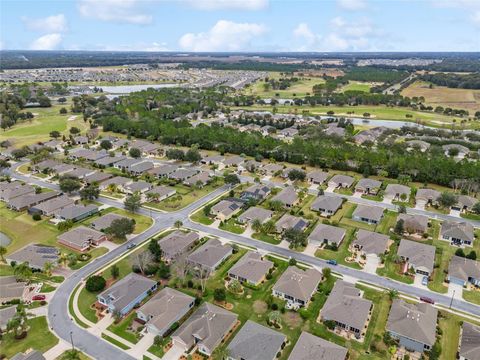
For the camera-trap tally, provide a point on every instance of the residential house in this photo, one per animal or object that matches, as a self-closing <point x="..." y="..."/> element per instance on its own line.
<point x="417" y="144"/>
<point x="288" y="221"/>
<point x="80" y="173"/>
<point x="181" y="174"/>
<point x="35" y="255"/>
<point x="413" y="325"/>
<point x="213" y="160"/>
<point x="317" y="177"/>
<point x="288" y="197"/>
<point x="97" y="177"/>
<point x="201" y="179"/>
<point x="126" y="293"/>
<point x="225" y="209"/>
<point x="256" y="192"/>
<point x="334" y="129"/>
<point x="368" y="186"/>
<point x="162" y="171"/>
<point x="117" y="181"/>
<point x="81" y="238"/>
<point x="125" y="164"/>
<point x="45" y="166"/>
<point x="251" y="269"/>
<point x="164" y="309"/>
<point x="140" y="168"/>
<point x="105" y="221"/>
<point x="161" y="192"/>
<point x="255" y="341"/>
<point x="341" y="181"/>
<point x="177" y="243"/>
<point x="62" y="169"/>
<point x="255" y="213"/>
<point x="11" y="289"/>
<point x="414" y="224"/>
<point x="233" y="161"/>
<point x="397" y="192"/>
<point x="368" y="214"/>
<point x="205" y="329"/>
<point x="25" y="202"/>
<point x="469" y="342"/>
<point x="80" y="140"/>
<point x="271" y="169"/>
<point x="346" y="307"/>
<point x="287" y="133"/>
<point x="297" y="286"/>
<point x="369" y="242"/>
<point x="49" y="207"/>
<point x="327" y="205"/>
<point x="310" y="347"/>
<point x="464" y="203"/>
<point x="420" y="257"/>
<point x="326" y="234"/>
<point x="137" y="187"/>
<point x="425" y="197"/>
<point x="464" y="271"/>
<point x="76" y="212"/>
<point x="109" y="161"/>
<point x="210" y="255"/>
<point x="370" y="135"/>
<point x="15" y="189"/>
<point x="29" y="355"/>
<point x="458" y="233"/>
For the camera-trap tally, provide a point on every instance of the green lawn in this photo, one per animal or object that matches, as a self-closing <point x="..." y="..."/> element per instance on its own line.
<point x="392" y="269"/>
<point x="46" y="288"/>
<point x="6" y="270"/>
<point x="450" y="326"/>
<point x="115" y="342"/>
<point x="70" y="310"/>
<point x="85" y="300"/>
<point x="298" y="89"/>
<point x="389" y="220"/>
<point x="356" y="86"/>
<point x="158" y="350"/>
<point x="266" y="238"/>
<point x="200" y="217"/>
<point x="142" y="222"/>
<point x="65" y="355"/>
<point x="231" y="226"/>
<point x="39" y="338"/>
<point x="342" y="251"/>
<point x="121" y="329"/>
<point x="472" y="296"/>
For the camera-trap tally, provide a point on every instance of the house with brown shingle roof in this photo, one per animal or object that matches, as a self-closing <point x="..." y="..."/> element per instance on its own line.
<point x="297" y="286"/>
<point x="469" y="342"/>
<point x="310" y="347"/>
<point x="251" y="268"/>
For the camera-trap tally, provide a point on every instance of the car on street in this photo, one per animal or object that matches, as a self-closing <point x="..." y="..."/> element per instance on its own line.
<point x="131" y="246"/>
<point x="332" y="262"/>
<point x="38" y="297"/>
<point x="427" y="300"/>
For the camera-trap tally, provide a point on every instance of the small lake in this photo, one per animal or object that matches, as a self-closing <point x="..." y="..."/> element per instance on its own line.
<point x="127" y="89"/>
<point x="4" y="240"/>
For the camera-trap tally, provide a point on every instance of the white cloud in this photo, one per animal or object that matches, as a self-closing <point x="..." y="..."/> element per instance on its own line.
<point x="49" y="24"/>
<point x="472" y="7"/>
<point x="223" y="36"/>
<point x="47" y="42"/>
<point x="121" y="11"/>
<point x="352" y="4"/>
<point x="251" y="5"/>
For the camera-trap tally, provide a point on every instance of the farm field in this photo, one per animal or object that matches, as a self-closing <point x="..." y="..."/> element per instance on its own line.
<point x="467" y="99"/>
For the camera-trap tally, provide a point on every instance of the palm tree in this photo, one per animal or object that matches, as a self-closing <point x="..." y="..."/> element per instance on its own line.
<point x="47" y="268"/>
<point x="153" y="196"/>
<point x="22" y="271"/>
<point x="392" y="294"/>
<point x="221" y="353"/>
<point x="72" y="354"/>
<point x="178" y="224"/>
<point x="112" y="188"/>
<point x="268" y="227"/>
<point x="3" y="252"/>
<point x="62" y="259"/>
<point x="257" y="225"/>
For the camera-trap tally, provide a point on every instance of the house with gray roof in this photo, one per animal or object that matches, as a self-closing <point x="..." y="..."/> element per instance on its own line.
<point x="288" y="197"/>
<point x="420" y="257"/>
<point x="233" y="161"/>
<point x="288" y="221"/>
<point x="225" y="209"/>
<point x="287" y="133"/>
<point x="317" y="177"/>
<point x="80" y="173"/>
<point x="256" y="192"/>
<point x="347" y="308"/>
<point x="210" y="255"/>
<point x="251" y="269"/>
<point x="464" y="271"/>
<point x="80" y="140"/>
<point x="212" y="160"/>
<point x="369" y="242"/>
<point x="413" y="325"/>
<point x="105" y="221"/>
<point x="126" y="163"/>
<point x="469" y="342"/>
<point x="397" y="192"/>
<point x="49" y="207"/>
<point x="425" y="197"/>
<point x="15" y="189"/>
<point x="126" y="293"/>
<point x="464" y="203"/>
<point x="255" y="213"/>
<point x="205" y="328"/>
<point x="368" y="186"/>
<point x="140" y="168"/>
<point x="35" y="255"/>
<point x="109" y="161"/>
<point x="164" y="309"/>
<point x="256" y="342"/>
<point x="341" y="181"/>
<point x="182" y="174"/>
<point x="45" y="165"/>
<point x="163" y="170"/>
<point x="29" y="355"/>
<point x="11" y="289"/>
<point x="414" y="224"/>
<point x="161" y="192"/>
<point x="177" y="243"/>
<point x="417" y="144"/>
<point x="137" y="186"/>
<point x="5" y="315"/>
<point x="62" y="169"/>
<point x="327" y="205"/>
<point x="202" y="179"/>
<point x="117" y="181"/>
<point x="97" y="177"/>
<point x="297" y="286"/>
<point x="457" y="233"/>
<point x="326" y="234"/>
<point x="271" y="169"/>
<point x="25" y="202"/>
<point x="310" y="347"/>
<point x="368" y="214"/>
<point x="81" y="238"/>
<point x="76" y="212"/>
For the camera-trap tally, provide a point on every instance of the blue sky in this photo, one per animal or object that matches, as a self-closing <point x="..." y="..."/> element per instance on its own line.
<point x="241" y="25"/>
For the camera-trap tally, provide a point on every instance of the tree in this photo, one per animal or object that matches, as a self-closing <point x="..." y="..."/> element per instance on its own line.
<point x="115" y="271"/>
<point x="275" y="205"/>
<point x="219" y="295"/>
<point x="63" y="111"/>
<point x="55" y="134"/>
<point x="292" y="262"/>
<point x="295" y="237"/>
<point x="69" y="185"/>
<point x="95" y="283"/>
<point x="132" y="202"/>
<point x="472" y="255"/>
<point x="326" y="272"/>
<point x="296" y="174"/>
<point x="22" y="271"/>
<point x="392" y="294"/>
<point x="268" y="227"/>
<point x="476" y="208"/>
<point x="72" y="354"/>
<point x="155" y="249"/>
<point x="3" y="252"/>
<point x="74" y="130"/>
<point x="163" y="270"/>
<point x="232" y="179"/>
<point x="18" y="323"/>
<point x="193" y="155"/>
<point x="447" y="199"/>
<point x="178" y="224"/>
<point x="202" y="274"/>
<point x="106" y="144"/>
<point x="47" y="268"/>
<point x="399" y="227"/>
<point x="90" y="192"/>
<point x="256" y="225"/>
<point x="135" y="153"/>
<point x="460" y="252"/>
<point x="221" y="353"/>
<point x="120" y="228"/>
<point x="402" y="209"/>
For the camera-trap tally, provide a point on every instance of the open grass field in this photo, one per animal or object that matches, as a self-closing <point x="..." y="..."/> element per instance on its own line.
<point x="356" y="86"/>
<point x="45" y="121"/>
<point x="468" y="99"/>
<point x="301" y="88"/>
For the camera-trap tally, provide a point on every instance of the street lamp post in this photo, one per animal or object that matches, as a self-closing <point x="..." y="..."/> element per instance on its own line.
<point x="451" y="301"/>
<point x="71" y="340"/>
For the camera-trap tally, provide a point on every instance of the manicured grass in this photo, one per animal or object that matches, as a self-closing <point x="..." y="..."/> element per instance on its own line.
<point x="342" y="251"/>
<point x="472" y="296"/>
<point x="39" y="338"/>
<point x="65" y="355"/>
<point x="95" y="253"/>
<point x="470" y="216"/>
<point x="231" y="226"/>
<point x="200" y="217"/>
<point x="450" y="326"/>
<point x="72" y="312"/>
<point x="356" y="86"/>
<point x="266" y="238"/>
<point x="158" y="350"/>
<point x="6" y="270"/>
<point x="121" y="329"/>
<point x="85" y="300"/>
<point x="389" y="220"/>
<point x="46" y="288"/>
<point x="298" y="89"/>
<point x="393" y="270"/>
<point x="115" y="342"/>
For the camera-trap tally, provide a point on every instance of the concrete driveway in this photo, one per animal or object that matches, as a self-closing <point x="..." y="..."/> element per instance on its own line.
<point x="174" y="353"/>
<point x="455" y="213"/>
<point x="372" y="263"/>
<point x="455" y="290"/>
<point x="417" y="281"/>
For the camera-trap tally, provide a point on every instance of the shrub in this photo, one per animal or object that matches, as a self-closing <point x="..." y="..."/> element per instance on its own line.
<point x="37" y="217"/>
<point x="95" y="283"/>
<point x="292" y="262"/>
<point x="274" y="306"/>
